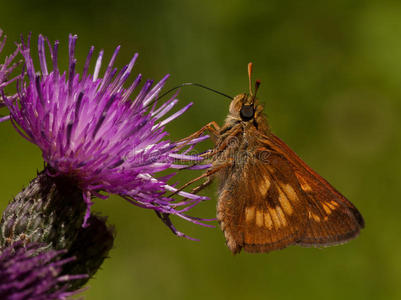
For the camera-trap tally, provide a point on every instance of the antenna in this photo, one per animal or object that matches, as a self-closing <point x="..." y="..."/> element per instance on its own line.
<point x="257" y="83"/>
<point x="195" y="84"/>
<point x="250" y="78"/>
<point x="181" y="85"/>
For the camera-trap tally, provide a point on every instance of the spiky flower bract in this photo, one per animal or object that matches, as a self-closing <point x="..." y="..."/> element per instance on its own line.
<point x="49" y="212"/>
<point x="94" y="131"/>
<point x="34" y="273"/>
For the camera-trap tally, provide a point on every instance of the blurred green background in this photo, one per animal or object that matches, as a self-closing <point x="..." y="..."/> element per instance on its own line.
<point x="331" y="82"/>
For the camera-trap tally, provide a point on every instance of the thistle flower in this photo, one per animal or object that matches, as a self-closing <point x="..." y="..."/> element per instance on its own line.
<point x="91" y="132"/>
<point x="5" y="69"/>
<point x="29" y="272"/>
<point x="49" y="212"/>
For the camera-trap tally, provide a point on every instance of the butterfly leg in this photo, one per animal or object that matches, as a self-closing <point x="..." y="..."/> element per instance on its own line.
<point x="212" y="127"/>
<point x="208" y="173"/>
<point x="207" y="182"/>
<point x="196" y="190"/>
<point x="231" y="138"/>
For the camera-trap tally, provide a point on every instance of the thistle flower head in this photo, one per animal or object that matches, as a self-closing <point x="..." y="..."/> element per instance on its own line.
<point x="29" y="272"/>
<point x="93" y="130"/>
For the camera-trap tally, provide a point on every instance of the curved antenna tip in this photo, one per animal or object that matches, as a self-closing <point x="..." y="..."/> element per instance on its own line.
<point x="250" y="77"/>
<point x="257" y="84"/>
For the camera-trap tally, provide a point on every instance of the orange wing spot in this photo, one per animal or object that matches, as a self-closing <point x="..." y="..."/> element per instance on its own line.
<point x="332" y="204"/>
<point x="290" y="192"/>
<point x="259" y="218"/>
<point x="268" y="220"/>
<point x="304" y="185"/>
<point x="249" y="214"/>
<point x="275" y="218"/>
<point x="264" y="186"/>
<point x="281" y="216"/>
<point x="326" y="208"/>
<point x="285" y="203"/>
<point x="314" y="216"/>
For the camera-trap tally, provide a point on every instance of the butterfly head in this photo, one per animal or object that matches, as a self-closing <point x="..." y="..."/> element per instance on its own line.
<point x="246" y="108"/>
<point x="243" y="107"/>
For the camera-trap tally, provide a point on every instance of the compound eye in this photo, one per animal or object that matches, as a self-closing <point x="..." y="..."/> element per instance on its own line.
<point x="247" y="112"/>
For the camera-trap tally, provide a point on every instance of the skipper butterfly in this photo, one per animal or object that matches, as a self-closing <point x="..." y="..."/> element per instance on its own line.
<point x="268" y="198"/>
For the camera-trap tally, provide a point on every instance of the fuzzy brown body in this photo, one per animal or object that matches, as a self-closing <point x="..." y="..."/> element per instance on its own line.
<point x="268" y="197"/>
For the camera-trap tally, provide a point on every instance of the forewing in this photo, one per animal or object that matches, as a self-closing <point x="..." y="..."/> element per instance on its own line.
<point x="331" y="218"/>
<point x="269" y="202"/>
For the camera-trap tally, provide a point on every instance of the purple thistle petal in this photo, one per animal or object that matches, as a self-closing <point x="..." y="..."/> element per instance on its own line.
<point x="2" y="119"/>
<point x="194" y="167"/>
<point x="175" y="115"/>
<point x="32" y="272"/>
<point x="7" y="67"/>
<point x="42" y="55"/>
<point x="186" y="157"/>
<point x="152" y="94"/>
<point x="193" y="141"/>
<point x="89" y="130"/>
<point x="98" y="65"/>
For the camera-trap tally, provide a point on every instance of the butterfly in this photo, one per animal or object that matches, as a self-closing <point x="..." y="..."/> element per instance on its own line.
<point x="268" y="198"/>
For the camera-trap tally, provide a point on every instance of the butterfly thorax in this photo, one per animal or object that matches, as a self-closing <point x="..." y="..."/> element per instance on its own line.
<point x="238" y="140"/>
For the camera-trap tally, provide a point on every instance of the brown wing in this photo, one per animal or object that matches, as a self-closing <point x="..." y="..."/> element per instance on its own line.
<point x="277" y="201"/>
<point x="341" y="220"/>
